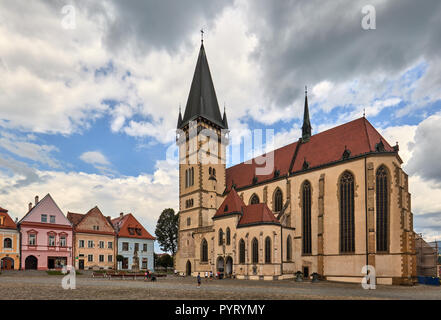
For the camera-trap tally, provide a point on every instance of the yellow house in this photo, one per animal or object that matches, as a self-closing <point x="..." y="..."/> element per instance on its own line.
<point x="94" y="240"/>
<point x="9" y="242"/>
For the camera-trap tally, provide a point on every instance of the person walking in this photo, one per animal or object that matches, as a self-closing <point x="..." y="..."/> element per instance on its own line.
<point x="206" y="275"/>
<point x="199" y="279"/>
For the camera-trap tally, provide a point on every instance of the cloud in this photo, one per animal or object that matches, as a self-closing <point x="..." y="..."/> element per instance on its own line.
<point x="94" y="157"/>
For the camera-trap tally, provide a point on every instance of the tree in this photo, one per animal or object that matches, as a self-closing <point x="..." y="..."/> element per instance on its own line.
<point x="167" y="231"/>
<point x="165" y="261"/>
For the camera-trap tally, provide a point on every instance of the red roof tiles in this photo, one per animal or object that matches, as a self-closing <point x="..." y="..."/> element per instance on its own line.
<point x="231" y="204"/>
<point x="8" y="223"/>
<point x="257" y="214"/>
<point x="358" y="136"/>
<point x="129" y="227"/>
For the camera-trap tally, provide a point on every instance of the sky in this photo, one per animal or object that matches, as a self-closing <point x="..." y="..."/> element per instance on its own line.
<point x="90" y="91"/>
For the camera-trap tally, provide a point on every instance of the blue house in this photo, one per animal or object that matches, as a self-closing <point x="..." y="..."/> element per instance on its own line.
<point x="135" y="244"/>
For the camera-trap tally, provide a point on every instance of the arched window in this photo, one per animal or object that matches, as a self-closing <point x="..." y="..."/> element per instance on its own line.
<point x="214" y="172"/>
<point x="382" y="210"/>
<point x="347" y="238"/>
<point x="221" y="236"/>
<point x="192" y="176"/>
<point x="267" y="250"/>
<point x="254" y="199"/>
<point x="186" y="178"/>
<point x="204" y="251"/>
<point x="209" y="171"/>
<point x="228" y="235"/>
<point x="255" y="255"/>
<point x="288" y="248"/>
<point x="241" y="251"/>
<point x="7" y="243"/>
<point x="278" y="200"/>
<point x="306" y="218"/>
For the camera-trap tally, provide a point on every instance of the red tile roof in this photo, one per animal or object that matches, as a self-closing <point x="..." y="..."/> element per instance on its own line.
<point x="77" y="218"/>
<point x="257" y="214"/>
<point x="128" y="221"/>
<point x="358" y="136"/>
<point x="231" y="204"/>
<point x="8" y="223"/>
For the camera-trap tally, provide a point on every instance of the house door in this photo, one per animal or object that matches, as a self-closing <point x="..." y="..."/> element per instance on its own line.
<point x="31" y="263"/>
<point x="81" y="264"/>
<point x="7" y="264"/>
<point x="229" y="266"/>
<point x="51" y="263"/>
<point x="125" y="263"/>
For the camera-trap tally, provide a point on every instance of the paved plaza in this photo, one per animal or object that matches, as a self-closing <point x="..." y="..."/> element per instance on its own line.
<point x="40" y="285"/>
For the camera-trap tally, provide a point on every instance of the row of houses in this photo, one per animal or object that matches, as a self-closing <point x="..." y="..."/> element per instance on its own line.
<point x="45" y="238"/>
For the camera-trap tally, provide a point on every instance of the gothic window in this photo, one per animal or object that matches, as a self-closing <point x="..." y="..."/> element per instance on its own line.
<point x="347" y="236"/>
<point x="221" y="236"/>
<point x="214" y="172"/>
<point x="228" y="236"/>
<point x="278" y="200"/>
<point x="254" y="199"/>
<point x="382" y="209"/>
<point x="210" y="171"/>
<point x="267" y="250"/>
<point x="288" y="248"/>
<point x="241" y="251"/>
<point x="306" y="218"/>
<point x="186" y="178"/>
<point x="191" y="176"/>
<point x="188" y="221"/>
<point x="7" y="243"/>
<point x="204" y="251"/>
<point x="255" y="251"/>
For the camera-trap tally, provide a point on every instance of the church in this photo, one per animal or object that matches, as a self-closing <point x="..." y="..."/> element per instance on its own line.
<point x="333" y="202"/>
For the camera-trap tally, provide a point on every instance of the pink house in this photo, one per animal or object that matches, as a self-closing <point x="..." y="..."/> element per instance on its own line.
<point x="46" y="236"/>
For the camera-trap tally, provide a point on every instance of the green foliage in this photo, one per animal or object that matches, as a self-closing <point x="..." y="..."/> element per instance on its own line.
<point x="165" y="261"/>
<point x="167" y="231"/>
<point x="119" y="257"/>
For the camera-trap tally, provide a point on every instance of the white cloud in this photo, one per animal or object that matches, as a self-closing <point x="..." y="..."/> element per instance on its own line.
<point x="94" y="157"/>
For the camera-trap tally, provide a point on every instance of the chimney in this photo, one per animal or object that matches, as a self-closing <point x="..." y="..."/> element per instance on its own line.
<point x="16" y="220"/>
<point x="36" y="200"/>
<point x="30" y="206"/>
<point x="121" y="214"/>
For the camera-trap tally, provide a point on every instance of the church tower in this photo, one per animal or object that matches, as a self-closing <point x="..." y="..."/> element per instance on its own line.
<point x="202" y="140"/>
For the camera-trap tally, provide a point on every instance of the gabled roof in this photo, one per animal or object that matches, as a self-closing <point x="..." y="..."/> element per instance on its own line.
<point x="359" y="137"/>
<point x="78" y="220"/>
<point x="47" y="206"/>
<point x="202" y="100"/>
<point x="231" y="204"/>
<point x="255" y="214"/>
<point x="8" y="223"/>
<point x="128" y="221"/>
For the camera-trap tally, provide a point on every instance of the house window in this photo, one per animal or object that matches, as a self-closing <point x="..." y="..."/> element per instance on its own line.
<point x="221" y="237"/>
<point x="131" y="231"/>
<point x="51" y="241"/>
<point x="63" y="241"/>
<point x="306" y="218"/>
<point x="81" y="243"/>
<point x="96" y="228"/>
<point x="90" y="244"/>
<point x="90" y="258"/>
<point x="267" y="250"/>
<point x="101" y="258"/>
<point x="136" y="247"/>
<point x="32" y="239"/>
<point x="144" y="263"/>
<point x="241" y="251"/>
<point x="188" y="221"/>
<point x="101" y="244"/>
<point x="109" y="258"/>
<point x="278" y="200"/>
<point x="52" y="219"/>
<point x="255" y="251"/>
<point x="347" y="239"/>
<point x="288" y="248"/>
<point x="228" y="236"/>
<point x="144" y="247"/>
<point x="110" y="244"/>
<point x="254" y="199"/>
<point x="125" y="246"/>
<point x="382" y="210"/>
<point x="7" y="243"/>
<point x="204" y="251"/>
<point x="44" y="218"/>
<point x="138" y="231"/>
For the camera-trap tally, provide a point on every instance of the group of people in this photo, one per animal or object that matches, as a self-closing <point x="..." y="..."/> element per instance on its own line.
<point x="208" y="275"/>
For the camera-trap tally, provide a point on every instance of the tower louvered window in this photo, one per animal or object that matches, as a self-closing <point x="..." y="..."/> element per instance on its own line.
<point x="382" y="209"/>
<point x="347" y="236"/>
<point x="306" y="218"/>
<point x="278" y="200"/>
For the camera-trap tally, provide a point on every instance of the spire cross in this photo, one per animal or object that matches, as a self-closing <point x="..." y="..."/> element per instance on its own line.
<point x="306" y="90"/>
<point x="202" y="35"/>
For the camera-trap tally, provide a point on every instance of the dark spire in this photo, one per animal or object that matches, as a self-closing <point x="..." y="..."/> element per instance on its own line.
<point x="306" y="128"/>
<point x="224" y="119"/>
<point x="202" y="101"/>
<point x="180" y="117"/>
